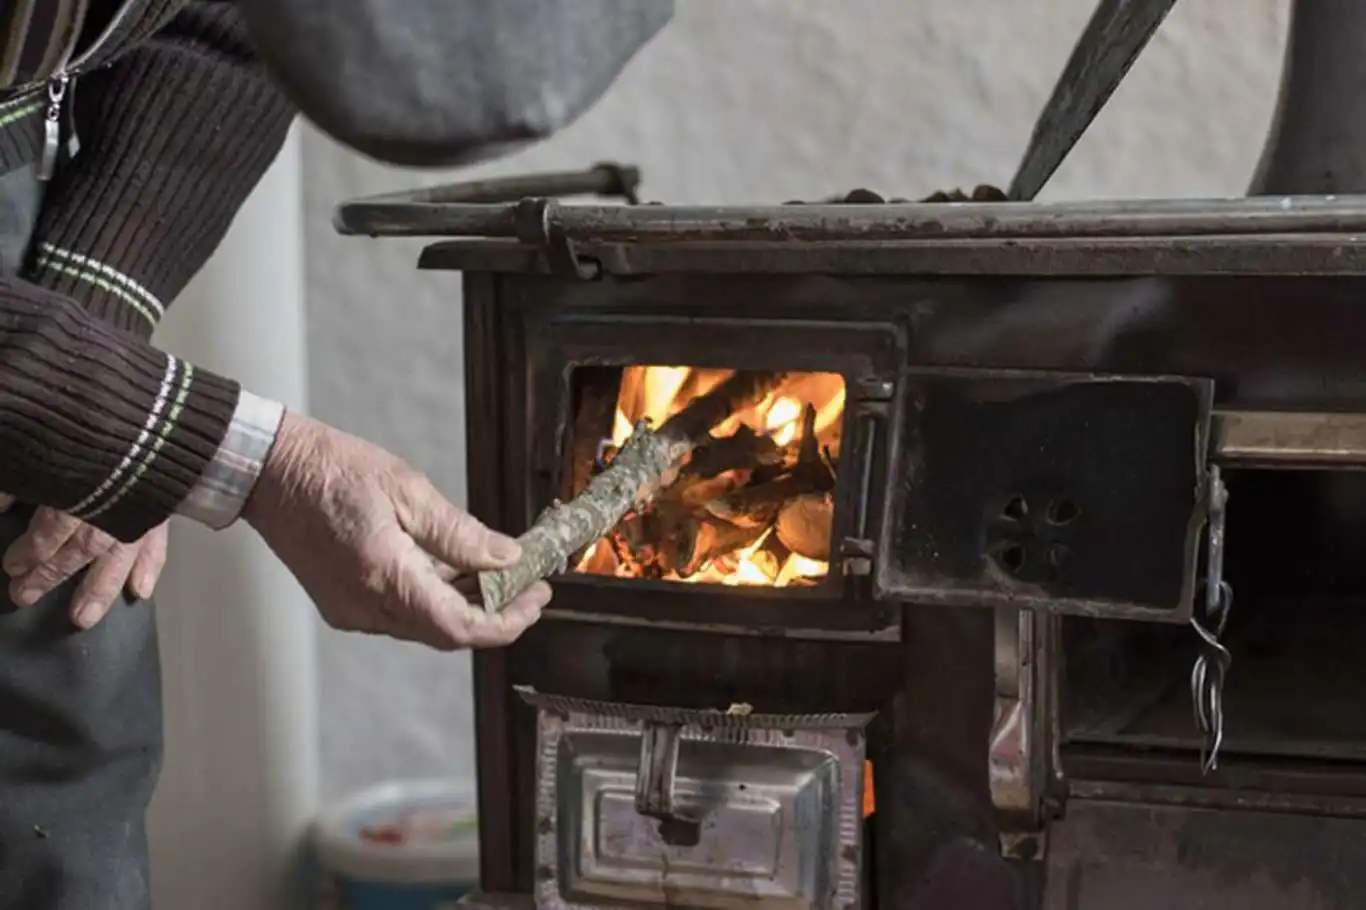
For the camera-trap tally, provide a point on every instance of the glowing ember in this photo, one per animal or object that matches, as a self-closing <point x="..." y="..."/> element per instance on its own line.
<point x="754" y="506"/>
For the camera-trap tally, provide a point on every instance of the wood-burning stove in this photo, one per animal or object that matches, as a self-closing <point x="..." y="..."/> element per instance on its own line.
<point x="975" y="526"/>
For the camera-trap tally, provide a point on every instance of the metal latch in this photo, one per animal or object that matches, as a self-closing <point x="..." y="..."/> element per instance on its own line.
<point x="538" y="226"/>
<point x="538" y="223"/>
<point x="871" y="406"/>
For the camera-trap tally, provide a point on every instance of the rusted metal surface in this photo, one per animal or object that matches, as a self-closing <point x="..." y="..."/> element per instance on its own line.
<point x="1217" y="799"/>
<point x="1026" y="784"/>
<point x="1131" y="856"/>
<point x="1328" y="254"/>
<point x="1169" y="777"/>
<point x="412" y="215"/>
<point x="1290" y="439"/>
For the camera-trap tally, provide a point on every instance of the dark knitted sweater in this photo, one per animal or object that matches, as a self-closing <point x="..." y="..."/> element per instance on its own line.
<point x="176" y="122"/>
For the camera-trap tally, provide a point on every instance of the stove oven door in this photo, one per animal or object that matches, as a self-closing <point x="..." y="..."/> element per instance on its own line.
<point x="1066" y="493"/>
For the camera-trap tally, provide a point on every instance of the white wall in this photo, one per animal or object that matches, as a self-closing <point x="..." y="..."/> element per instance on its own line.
<point x="746" y="101"/>
<point x="237" y="633"/>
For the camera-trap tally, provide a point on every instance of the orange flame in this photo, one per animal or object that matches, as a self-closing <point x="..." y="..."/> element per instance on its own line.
<point x="656" y="393"/>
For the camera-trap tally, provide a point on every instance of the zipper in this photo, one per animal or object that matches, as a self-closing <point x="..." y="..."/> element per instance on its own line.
<point x="59" y="88"/>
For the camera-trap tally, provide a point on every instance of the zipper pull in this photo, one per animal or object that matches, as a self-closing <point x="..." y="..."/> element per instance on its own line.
<point x="52" y="126"/>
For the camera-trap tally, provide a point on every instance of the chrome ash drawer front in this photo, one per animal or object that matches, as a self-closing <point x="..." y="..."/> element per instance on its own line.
<point x="696" y="809"/>
<point x="753" y="799"/>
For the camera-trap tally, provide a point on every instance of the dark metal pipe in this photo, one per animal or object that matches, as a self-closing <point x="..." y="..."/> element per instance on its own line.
<point x="1317" y="140"/>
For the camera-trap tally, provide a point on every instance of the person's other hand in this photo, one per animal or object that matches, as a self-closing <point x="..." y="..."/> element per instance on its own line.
<point x="56" y="546"/>
<point x="372" y="542"/>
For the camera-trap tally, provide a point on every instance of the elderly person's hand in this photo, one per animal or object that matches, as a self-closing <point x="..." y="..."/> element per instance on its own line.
<point x="376" y="545"/>
<point x="56" y="547"/>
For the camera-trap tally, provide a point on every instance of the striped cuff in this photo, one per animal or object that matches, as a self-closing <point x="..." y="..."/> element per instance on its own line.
<point x="217" y="499"/>
<point x="161" y="422"/>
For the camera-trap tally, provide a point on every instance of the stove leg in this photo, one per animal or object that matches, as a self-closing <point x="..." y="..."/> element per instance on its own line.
<point x="937" y="844"/>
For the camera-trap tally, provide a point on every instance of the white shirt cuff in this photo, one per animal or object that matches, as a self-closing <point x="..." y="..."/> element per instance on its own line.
<point x="229" y="478"/>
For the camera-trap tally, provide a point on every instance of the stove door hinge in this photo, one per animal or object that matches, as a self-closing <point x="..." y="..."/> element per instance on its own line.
<point x="872" y="403"/>
<point x="538" y="225"/>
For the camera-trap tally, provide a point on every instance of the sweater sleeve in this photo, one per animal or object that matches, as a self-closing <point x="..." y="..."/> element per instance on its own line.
<point x="96" y="422"/>
<point x="173" y="137"/>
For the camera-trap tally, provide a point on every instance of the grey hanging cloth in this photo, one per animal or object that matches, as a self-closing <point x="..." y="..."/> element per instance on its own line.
<point x="436" y="83"/>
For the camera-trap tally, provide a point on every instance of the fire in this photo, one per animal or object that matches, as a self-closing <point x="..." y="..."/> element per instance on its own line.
<point x="763" y="520"/>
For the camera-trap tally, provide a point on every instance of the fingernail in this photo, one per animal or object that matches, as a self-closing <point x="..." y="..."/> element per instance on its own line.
<point x="84" y="614"/>
<point x="504" y="549"/>
<point x="26" y="597"/>
<point x="140" y="587"/>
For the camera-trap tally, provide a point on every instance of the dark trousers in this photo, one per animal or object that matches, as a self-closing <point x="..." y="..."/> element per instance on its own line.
<point x="80" y="715"/>
<point x="80" y="748"/>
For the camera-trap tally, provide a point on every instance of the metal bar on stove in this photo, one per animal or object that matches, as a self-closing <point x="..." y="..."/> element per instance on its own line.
<point x="1296" y="255"/>
<point x="420" y="214"/>
<point x="397" y="213"/>
<point x="1289" y="439"/>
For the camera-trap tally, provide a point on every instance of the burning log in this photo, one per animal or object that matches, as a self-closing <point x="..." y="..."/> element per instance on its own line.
<point x="644" y="465"/>
<point x="757" y="505"/>
<point x="743" y="450"/>
<point x="760" y="503"/>
<point x="716" y="538"/>
<point x="677" y="534"/>
<point x="671" y="540"/>
<point x="695" y="493"/>
<point x="804" y="525"/>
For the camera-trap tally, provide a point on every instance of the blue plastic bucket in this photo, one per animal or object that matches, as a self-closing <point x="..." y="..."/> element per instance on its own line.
<point x="406" y="845"/>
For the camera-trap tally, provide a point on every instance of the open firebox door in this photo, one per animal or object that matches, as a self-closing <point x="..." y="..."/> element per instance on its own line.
<point x="1060" y="493"/>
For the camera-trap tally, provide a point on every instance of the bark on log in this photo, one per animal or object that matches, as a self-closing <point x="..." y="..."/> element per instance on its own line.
<point x="643" y="466"/>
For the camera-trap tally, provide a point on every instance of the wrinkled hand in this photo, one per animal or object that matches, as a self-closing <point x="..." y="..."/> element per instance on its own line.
<point x="56" y="546"/>
<point x="376" y="546"/>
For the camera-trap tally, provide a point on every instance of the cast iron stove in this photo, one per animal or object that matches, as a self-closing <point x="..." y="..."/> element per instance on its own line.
<point x="940" y="611"/>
